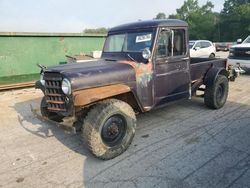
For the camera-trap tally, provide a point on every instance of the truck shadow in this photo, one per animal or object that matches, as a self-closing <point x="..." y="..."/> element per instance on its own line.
<point x="45" y="129"/>
<point x="155" y="131"/>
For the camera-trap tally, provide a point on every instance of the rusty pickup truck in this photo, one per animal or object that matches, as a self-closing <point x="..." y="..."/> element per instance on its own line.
<point x="144" y="66"/>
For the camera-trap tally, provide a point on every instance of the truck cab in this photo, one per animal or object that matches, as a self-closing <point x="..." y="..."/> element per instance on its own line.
<point x="158" y="52"/>
<point x="144" y="65"/>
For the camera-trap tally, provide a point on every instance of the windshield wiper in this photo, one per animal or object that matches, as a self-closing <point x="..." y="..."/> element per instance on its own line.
<point x="131" y="57"/>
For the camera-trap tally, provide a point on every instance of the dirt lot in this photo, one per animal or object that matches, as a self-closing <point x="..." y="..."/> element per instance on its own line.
<point x="182" y="145"/>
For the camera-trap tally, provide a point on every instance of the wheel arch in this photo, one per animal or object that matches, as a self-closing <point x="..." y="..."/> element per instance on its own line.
<point x="131" y="99"/>
<point x="88" y="97"/>
<point x="213" y="53"/>
<point x="212" y="75"/>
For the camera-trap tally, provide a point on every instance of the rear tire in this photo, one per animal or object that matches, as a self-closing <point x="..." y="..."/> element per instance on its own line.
<point x="216" y="95"/>
<point x="50" y="115"/>
<point x="109" y="128"/>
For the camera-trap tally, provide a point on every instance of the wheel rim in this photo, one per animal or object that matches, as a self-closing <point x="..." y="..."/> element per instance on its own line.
<point x="114" y="130"/>
<point x="220" y="93"/>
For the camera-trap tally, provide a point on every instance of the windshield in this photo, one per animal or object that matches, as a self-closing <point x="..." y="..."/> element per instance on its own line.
<point x="129" y="42"/>
<point x="247" y="40"/>
<point x="191" y="44"/>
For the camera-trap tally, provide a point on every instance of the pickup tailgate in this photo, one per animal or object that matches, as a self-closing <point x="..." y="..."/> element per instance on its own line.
<point x="200" y="66"/>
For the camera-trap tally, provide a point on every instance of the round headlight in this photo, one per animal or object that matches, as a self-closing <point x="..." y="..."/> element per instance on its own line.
<point x="66" y="86"/>
<point x="42" y="80"/>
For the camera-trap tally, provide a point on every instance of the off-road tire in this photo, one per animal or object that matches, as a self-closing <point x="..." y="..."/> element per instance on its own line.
<point x="216" y="95"/>
<point x="95" y="122"/>
<point x="50" y="115"/>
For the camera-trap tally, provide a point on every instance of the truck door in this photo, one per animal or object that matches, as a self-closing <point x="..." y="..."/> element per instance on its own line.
<point x="171" y="75"/>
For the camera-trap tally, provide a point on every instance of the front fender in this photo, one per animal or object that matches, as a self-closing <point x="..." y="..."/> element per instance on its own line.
<point x="212" y="74"/>
<point x="92" y="95"/>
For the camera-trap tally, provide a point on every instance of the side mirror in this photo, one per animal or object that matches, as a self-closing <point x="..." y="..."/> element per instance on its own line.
<point x="239" y="41"/>
<point x="146" y="53"/>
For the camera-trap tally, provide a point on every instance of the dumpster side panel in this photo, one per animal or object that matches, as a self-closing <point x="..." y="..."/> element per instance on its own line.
<point x="20" y="54"/>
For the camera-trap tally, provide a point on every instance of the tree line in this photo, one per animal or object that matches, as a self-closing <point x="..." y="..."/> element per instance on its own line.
<point x="231" y="23"/>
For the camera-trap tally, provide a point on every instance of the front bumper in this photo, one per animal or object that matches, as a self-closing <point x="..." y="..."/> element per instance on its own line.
<point x="67" y="125"/>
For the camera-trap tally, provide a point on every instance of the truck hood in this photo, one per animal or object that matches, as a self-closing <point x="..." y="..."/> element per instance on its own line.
<point x="243" y="45"/>
<point x="95" y="73"/>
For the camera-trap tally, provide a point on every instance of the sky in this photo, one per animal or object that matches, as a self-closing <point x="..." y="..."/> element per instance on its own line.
<point x="77" y="15"/>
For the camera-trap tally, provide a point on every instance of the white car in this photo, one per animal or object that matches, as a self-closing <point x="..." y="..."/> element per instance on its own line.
<point x="239" y="55"/>
<point x="202" y="48"/>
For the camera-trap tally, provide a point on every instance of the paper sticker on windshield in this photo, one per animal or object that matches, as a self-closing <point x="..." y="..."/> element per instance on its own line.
<point x="143" y="38"/>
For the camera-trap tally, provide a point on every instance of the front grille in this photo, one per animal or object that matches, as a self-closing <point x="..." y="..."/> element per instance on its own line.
<point x="242" y="52"/>
<point x="53" y="92"/>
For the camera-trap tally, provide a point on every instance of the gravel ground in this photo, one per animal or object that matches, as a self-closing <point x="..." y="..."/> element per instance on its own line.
<point x="221" y="54"/>
<point x="182" y="145"/>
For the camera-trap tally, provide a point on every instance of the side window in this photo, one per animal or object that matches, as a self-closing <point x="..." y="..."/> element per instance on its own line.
<point x="171" y="43"/>
<point x="198" y="44"/>
<point x="209" y="44"/>
<point x="164" y="43"/>
<point x="205" y="44"/>
<point x="179" y="47"/>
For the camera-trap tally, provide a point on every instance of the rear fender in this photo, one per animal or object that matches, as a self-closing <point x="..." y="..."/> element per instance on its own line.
<point x="92" y="95"/>
<point x="212" y="75"/>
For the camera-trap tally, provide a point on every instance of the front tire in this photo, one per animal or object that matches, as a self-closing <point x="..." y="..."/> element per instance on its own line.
<point x="109" y="128"/>
<point x="216" y="95"/>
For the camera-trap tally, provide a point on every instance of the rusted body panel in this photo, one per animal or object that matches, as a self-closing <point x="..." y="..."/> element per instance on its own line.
<point x="88" y="96"/>
<point x="143" y="71"/>
<point x="144" y="83"/>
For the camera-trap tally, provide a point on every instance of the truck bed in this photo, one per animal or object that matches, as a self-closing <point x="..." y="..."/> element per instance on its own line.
<point x="199" y="66"/>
